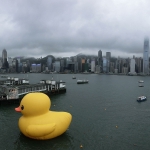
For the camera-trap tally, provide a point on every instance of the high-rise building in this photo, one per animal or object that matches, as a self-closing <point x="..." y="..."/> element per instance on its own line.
<point x="99" y="57"/>
<point x="100" y="60"/>
<point x="93" y="66"/>
<point x="108" y="57"/>
<point x="49" y="63"/>
<point x="146" y="56"/>
<point x="4" y="57"/>
<point x="104" y="65"/>
<point x="132" y="66"/>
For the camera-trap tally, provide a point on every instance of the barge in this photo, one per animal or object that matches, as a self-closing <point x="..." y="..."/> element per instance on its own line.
<point x="14" y="93"/>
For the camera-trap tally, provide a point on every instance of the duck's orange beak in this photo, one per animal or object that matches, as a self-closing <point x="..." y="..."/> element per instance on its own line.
<point x="18" y="109"/>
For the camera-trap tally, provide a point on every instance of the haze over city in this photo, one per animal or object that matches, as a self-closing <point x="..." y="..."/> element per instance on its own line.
<point x="67" y="28"/>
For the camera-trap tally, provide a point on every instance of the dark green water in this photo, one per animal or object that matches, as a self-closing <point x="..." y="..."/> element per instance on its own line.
<point x="105" y="114"/>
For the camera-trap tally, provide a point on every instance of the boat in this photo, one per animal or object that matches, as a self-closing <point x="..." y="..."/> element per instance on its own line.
<point x="140" y="85"/>
<point x="141" y="98"/>
<point x="14" y="93"/>
<point x="141" y="81"/>
<point x="73" y="77"/>
<point x="82" y="81"/>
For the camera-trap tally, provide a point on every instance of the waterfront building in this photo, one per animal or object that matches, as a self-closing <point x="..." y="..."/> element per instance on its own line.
<point x="4" y="57"/>
<point x="57" y="66"/>
<point x="62" y="65"/>
<point x="99" y="57"/>
<point x="97" y="69"/>
<point x="10" y="60"/>
<point x="93" y="66"/>
<point x="146" y="57"/>
<point x="112" y="66"/>
<point x="33" y="67"/>
<point x="14" y="65"/>
<point x="116" y="71"/>
<point x="105" y="65"/>
<point x="124" y="70"/>
<point x="38" y="67"/>
<point x="100" y="60"/>
<point x="138" y="65"/>
<point x="108" y="57"/>
<point x="132" y="66"/>
<point x="49" y="63"/>
<point x="24" y="67"/>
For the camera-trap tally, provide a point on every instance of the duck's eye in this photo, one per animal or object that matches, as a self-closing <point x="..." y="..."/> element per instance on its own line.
<point x="22" y="107"/>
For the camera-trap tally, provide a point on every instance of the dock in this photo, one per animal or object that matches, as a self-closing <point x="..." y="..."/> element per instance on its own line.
<point x="12" y="91"/>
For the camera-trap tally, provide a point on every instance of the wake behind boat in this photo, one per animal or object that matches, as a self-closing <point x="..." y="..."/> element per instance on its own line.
<point x="141" y="98"/>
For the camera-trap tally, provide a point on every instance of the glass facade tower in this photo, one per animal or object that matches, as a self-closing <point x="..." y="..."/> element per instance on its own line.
<point x="146" y="56"/>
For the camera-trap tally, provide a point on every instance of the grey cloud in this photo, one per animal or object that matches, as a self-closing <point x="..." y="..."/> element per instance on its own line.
<point x="71" y="27"/>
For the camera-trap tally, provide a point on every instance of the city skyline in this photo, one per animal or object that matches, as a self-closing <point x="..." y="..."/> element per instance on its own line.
<point x="67" y="28"/>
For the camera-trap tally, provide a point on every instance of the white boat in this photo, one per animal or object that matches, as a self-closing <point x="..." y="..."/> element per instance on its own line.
<point x="141" y="81"/>
<point x="73" y="77"/>
<point x="82" y="81"/>
<point x="141" y="98"/>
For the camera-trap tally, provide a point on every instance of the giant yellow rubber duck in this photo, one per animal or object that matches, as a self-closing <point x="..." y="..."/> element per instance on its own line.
<point x="38" y="122"/>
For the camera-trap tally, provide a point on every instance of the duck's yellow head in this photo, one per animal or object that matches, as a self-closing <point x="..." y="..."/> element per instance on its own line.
<point x="34" y="104"/>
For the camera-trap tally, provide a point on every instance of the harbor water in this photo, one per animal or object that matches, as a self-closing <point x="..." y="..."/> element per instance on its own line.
<point x="105" y="115"/>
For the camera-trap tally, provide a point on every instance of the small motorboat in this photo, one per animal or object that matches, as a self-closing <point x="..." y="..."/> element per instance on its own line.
<point x="141" y="81"/>
<point x="140" y="85"/>
<point x="141" y="98"/>
<point x="73" y="77"/>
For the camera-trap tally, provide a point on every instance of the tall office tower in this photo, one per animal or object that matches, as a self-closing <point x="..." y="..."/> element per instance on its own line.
<point x="105" y="64"/>
<point x="4" y="57"/>
<point x="93" y="66"/>
<point x="138" y="64"/>
<point x="132" y="66"/>
<point x="146" y="56"/>
<point x="49" y="63"/>
<point x="108" y="57"/>
<point x="99" y="57"/>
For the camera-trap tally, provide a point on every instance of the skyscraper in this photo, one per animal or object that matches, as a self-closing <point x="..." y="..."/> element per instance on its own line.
<point x="108" y="57"/>
<point x="4" y="58"/>
<point x="99" y="57"/>
<point x="100" y="60"/>
<point x="146" y="56"/>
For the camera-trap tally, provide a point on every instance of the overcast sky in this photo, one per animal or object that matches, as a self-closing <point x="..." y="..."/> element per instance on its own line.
<point x="68" y="27"/>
